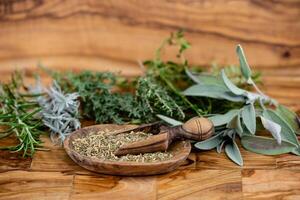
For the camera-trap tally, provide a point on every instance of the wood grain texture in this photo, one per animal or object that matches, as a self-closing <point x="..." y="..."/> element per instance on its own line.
<point x="54" y="160"/>
<point x="34" y="185"/>
<point x="271" y="184"/>
<point x="288" y="161"/>
<point x="104" y="34"/>
<point x="114" y="188"/>
<point x="10" y="160"/>
<point x="206" y="174"/>
<point x="200" y="184"/>
<point x="213" y="160"/>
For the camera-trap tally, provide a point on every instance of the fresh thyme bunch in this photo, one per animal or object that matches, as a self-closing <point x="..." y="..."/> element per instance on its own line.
<point x="99" y="101"/>
<point x="103" y="102"/>
<point x="156" y="99"/>
<point x="19" y="116"/>
<point x="171" y="75"/>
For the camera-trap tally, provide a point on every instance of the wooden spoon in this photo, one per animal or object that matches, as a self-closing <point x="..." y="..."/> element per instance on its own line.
<point x="197" y="129"/>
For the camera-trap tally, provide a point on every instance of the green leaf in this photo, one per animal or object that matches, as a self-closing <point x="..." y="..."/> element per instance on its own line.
<point x="266" y="146"/>
<point x="289" y="116"/>
<point x="249" y="119"/>
<point x="233" y="88"/>
<point x="233" y="152"/>
<point x="243" y="62"/>
<point x="210" y="143"/>
<point x="220" y="146"/>
<point x="287" y="133"/>
<point x="169" y="120"/>
<point x="272" y="127"/>
<point x="206" y="79"/>
<point x="236" y="124"/>
<point x="296" y="151"/>
<point x="219" y="120"/>
<point x="192" y="76"/>
<point x="212" y="91"/>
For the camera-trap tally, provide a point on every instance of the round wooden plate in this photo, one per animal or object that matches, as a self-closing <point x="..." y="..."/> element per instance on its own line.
<point x="180" y="149"/>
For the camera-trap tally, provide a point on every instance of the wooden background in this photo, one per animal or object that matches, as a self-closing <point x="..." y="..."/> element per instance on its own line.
<point x="114" y="35"/>
<point x="101" y="34"/>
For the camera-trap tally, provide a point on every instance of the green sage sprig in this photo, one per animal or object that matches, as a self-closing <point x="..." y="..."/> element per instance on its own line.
<point x="242" y="121"/>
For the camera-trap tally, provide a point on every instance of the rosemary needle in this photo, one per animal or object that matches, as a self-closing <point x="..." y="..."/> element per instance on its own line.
<point x="19" y="116"/>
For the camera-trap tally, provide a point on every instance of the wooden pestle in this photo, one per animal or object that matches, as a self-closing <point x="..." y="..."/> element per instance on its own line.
<point x="197" y="129"/>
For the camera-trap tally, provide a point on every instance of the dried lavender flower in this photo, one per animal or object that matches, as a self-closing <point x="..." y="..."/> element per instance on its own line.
<point x="59" y="111"/>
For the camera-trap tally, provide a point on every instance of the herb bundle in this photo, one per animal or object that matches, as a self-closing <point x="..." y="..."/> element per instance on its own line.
<point x="171" y="91"/>
<point x="251" y="111"/>
<point x="101" y="102"/>
<point x="59" y="111"/>
<point x="19" y="116"/>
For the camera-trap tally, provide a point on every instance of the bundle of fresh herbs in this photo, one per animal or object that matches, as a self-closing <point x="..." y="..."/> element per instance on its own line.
<point x="59" y="111"/>
<point x="251" y="111"/>
<point x="171" y="91"/>
<point x="19" y="116"/>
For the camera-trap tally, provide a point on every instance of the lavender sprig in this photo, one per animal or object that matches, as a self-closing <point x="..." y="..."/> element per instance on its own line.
<point x="59" y="111"/>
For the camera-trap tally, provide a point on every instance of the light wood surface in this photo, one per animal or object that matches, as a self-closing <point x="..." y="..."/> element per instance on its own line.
<point x="113" y="35"/>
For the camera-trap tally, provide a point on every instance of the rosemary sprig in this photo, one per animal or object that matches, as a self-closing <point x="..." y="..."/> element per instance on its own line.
<point x="18" y="116"/>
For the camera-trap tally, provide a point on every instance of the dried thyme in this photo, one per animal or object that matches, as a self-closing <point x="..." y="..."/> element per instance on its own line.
<point x="103" y="145"/>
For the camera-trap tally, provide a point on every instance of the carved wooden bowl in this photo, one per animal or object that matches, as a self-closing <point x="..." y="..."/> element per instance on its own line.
<point x="180" y="150"/>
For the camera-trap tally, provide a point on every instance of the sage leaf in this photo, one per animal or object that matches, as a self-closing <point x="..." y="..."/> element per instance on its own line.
<point x="246" y="72"/>
<point x="212" y="91"/>
<point x="249" y="118"/>
<point x="220" y="146"/>
<point x="233" y="152"/>
<point x="287" y="133"/>
<point x="169" y="120"/>
<point x="210" y="143"/>
<point x="236" y="124"/>
<point x="219" y="119"/>
<point x="233" y="88"/>
<point x="273" y="128"/>
<point x="192" y="76"/>
<point x="296" y="151"/>
<point x="205" y="79"/>
<point x="289" y="116"/>
<point x="266" y="146"/>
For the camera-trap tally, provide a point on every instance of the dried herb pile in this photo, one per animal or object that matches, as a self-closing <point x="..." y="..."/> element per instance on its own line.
<point x="103" y="144"/>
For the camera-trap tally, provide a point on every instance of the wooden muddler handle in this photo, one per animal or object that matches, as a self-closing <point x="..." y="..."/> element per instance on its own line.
<point x="197" y="129"/>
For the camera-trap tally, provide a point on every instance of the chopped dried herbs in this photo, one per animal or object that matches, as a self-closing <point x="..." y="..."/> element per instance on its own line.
<point x="103" y="144"/>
